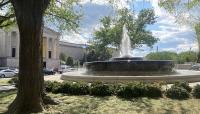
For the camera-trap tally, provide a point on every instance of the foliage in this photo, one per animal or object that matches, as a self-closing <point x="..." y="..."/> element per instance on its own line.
<point x="61" y="14"/>
<point x="57" y="87"/>
<point x="153" y="91"/>
<point x="70" y="61"/>
<point x="99" y="53"/>
<point x="100" y="89"/>
<point x="182" y="84"/>
<point x="183" y="11"/>
<point x="79" y="88"/>
<point x="63" y="57"/>
<point x="131" y="90"/>
<point x="179" y="8"/>
<point x="139" y="89"/>
<point x="196" y="91"/>
<point x="187" y="56"/>
<point x="109" y="35"/>
<point x="48" y="86"/>
<point x="176" y="92"/>
<point x="164" y="55"/>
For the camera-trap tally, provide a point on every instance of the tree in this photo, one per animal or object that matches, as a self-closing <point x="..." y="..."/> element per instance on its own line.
<point x="164" y="55"/>
<point x="28" y="15"/>
<point x="63" y="57"/>
<point x="29" y="95"/>
<point x="110" y="34"/>
<point x="70" y="61"/>
<point x="187" y="56"/>
<point x="183" y="11"/>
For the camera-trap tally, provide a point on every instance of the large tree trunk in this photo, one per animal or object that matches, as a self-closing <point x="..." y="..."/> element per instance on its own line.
<point x="197" y="30"/>
<point x="29" y="15"/>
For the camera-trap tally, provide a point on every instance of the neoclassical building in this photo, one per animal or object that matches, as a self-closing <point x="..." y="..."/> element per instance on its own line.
<point x="76" y="51"/>
<point x="9" y="48"/>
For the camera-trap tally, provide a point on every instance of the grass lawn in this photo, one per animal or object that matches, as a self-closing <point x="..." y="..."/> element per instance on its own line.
<point x="111" y="105"/>
<point x="4" y="81"/>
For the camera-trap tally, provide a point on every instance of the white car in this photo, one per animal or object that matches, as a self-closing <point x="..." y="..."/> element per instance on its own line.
<point x="7" y="73"/>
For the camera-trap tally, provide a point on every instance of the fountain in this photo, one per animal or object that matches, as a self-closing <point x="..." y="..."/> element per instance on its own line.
<point x="128" y="68"/>
<point x="125" y="64"/>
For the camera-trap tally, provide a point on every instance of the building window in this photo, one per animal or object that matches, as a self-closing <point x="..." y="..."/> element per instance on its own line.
<point x="13" y="52"/>
<point x="49" y="54"/>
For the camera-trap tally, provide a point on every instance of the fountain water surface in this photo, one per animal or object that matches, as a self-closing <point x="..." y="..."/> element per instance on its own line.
<point x="125" y="47"/>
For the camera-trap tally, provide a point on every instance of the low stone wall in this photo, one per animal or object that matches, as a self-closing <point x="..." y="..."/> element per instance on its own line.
<point x="183" y="66"/>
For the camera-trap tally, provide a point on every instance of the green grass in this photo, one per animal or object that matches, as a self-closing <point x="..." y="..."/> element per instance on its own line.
<point x="111" y="105"/>
<point x="4" y="81"/>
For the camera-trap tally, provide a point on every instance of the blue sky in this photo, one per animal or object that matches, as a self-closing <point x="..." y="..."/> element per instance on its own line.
<point x="172" y="36"/>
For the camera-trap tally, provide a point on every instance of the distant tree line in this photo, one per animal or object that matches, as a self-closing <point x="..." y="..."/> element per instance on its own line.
<point x="187" y="56"/>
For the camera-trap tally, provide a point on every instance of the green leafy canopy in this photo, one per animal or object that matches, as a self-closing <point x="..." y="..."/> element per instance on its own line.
<point x="60" y="14"/>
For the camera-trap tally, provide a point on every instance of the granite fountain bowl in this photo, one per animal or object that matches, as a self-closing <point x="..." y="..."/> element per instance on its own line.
<point x="130" y="66"/>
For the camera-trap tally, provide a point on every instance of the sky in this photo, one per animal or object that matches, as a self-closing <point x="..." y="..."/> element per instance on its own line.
<point x="172" y="36"/>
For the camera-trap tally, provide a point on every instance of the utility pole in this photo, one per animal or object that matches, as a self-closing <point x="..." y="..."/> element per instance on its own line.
<point x="157" y="49"/>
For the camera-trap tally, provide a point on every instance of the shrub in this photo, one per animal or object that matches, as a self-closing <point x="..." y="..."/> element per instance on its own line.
<point x="79" y="88"/>
<point x="196" y="91"/>
<point x="14" y="81"/>
<point x="48" y="86"/>
<point x="65" y="87"/>
<point x="177" y="93"/>
<point x="131" y="90"/>
<point x="57" y="87"/>
<point x="100" y="89"/>
<point x="183" y="84"/>
<point x="153" y="91"/>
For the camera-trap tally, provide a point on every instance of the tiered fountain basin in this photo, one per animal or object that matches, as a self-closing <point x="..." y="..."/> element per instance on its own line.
<point x="180" y="75"/>
<point x="133" y="66"/>
<point x="132" y="69"/>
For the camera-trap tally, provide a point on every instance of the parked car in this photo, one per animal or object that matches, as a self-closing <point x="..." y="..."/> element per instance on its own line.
<point x="15" y="70"/>
<point x="7" y="73"/>
<point x="3" y="68"/>
<point x="48" y="72"/>
<point x="64" y="68"/>
<point x="195" y="67"/>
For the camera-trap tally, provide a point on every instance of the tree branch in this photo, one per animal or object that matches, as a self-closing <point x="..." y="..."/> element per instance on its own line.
<point x="3" y="3"/>
<point x="7" y="17"/>
<point x="58" y="16"/>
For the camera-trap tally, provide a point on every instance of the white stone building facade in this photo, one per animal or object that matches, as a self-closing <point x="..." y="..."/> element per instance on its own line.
<point x="9" y="48"/>
<point x="76" y="51"/>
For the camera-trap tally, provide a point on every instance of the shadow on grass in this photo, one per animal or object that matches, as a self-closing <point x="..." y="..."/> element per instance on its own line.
<point x="78" y="104"/>
<point x="7" y="93"/>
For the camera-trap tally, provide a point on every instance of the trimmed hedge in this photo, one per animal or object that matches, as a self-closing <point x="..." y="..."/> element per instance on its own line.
<point x="135" y="90"/>
<point x="153" y="91"/>
<point x="79" y="88"/>
<point x="176" y="92"/>
<point x="196" y="91"/>
<point x="180" y="90"/>
<point x="183" y="84"/>
<point x="101" y="89"/>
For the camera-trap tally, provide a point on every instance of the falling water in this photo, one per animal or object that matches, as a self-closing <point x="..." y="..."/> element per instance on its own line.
<point x="125" y="46"/>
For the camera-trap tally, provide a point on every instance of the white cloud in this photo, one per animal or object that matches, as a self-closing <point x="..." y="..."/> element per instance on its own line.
<point x="73" y="37"/>
<point x="116" y="3"/>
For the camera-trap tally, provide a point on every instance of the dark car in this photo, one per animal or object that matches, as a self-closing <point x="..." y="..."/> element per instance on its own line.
<point x="48" y="72"/>
<point x="195" y="67"/>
